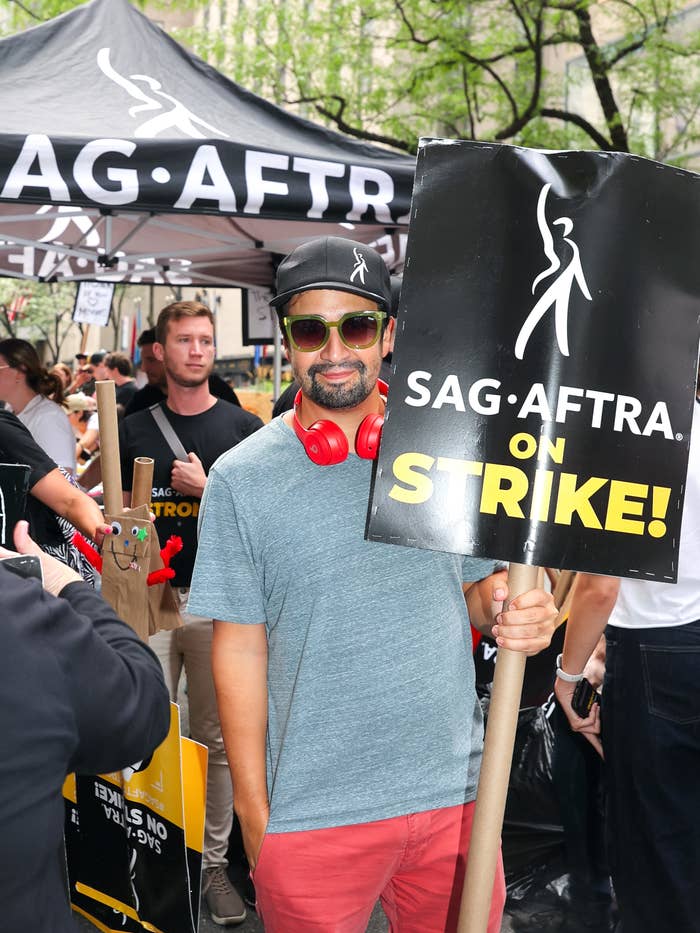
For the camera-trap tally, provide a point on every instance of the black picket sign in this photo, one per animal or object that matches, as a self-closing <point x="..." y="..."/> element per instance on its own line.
<point x="545" y="360"/>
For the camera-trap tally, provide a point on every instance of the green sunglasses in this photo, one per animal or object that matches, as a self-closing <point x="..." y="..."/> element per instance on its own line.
<point x="358" y="330"/>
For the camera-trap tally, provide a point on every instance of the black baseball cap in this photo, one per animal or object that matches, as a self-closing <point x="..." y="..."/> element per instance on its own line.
<point x="336" y="263"/>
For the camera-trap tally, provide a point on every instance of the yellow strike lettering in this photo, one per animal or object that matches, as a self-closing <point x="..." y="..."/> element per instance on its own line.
<point x="522" y="446"/>
<point x="420" y="486"/>
<point x="195" y="509"/>
<point x="625" y="499"/>
<point x="505" y="486"/>
<point x="168" y="510"/>
<point x="553" y="449"/>
<point x="155" y="508"/>
<point x="458" y="470"/>
<point x="541" y="495"/>
<point x="184" y="509"/>
<point x="660" y="497"/>
<point x="570" y="500"/>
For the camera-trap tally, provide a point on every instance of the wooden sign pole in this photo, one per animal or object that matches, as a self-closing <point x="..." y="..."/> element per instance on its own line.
<point x="495" y="772"/>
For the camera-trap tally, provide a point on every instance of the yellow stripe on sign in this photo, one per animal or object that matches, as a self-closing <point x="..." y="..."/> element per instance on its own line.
<point x="159" y="786"/>
<point x="69" y="789"/>
<point x="194" y="789"/>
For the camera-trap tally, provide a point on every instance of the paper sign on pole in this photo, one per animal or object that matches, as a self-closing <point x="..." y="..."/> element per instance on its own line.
<point x="93" y="303"/>
<point x="546" y="360"/>
<point x="258" y="319"/>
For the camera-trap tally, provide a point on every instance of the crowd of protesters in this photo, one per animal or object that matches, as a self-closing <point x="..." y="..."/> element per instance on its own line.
<point x="332" y="683"/>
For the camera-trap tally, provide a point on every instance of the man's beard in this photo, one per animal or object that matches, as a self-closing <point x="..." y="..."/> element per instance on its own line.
<point x="340" y="396"/>
<point x="188" y="382"/>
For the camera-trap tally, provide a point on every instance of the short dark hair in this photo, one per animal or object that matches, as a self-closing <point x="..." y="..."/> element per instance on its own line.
<point x="176" y="311"/>
<point x="146" y="337"/>
<point x="120" y="362"/>
<point x="96" y="358"/>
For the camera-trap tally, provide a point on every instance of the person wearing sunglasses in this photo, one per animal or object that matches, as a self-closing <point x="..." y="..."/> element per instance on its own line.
<point x="285" y="402"/>
<point x="343" y="668"/>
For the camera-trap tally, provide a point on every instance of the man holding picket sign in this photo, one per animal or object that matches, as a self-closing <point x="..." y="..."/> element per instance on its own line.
<point x="343" y="669"/>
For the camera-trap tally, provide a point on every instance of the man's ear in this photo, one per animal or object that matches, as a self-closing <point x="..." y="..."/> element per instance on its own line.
<point x="388" y="336"/>
<point x="159" y="351"/>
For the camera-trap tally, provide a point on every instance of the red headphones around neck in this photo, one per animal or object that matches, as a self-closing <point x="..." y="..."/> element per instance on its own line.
<point x="326" y="444"/>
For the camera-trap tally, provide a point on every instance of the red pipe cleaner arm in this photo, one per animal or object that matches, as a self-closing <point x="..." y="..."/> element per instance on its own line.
<point x="88" y="551"/>
<point x="172" y="547"/>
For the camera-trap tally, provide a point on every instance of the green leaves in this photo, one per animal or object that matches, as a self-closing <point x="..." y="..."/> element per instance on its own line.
<point x="546" y="73"/>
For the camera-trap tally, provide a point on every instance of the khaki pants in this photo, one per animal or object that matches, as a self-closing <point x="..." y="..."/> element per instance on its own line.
<point x="189" y="648"/>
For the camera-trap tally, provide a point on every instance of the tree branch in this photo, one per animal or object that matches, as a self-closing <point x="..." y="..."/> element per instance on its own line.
<point x="26" y="10"/>
<point x="579" y="121"/>
<point x="345" y="127"/>
<point x="480" y="63"/>
<point x="411" y="31"/>
<point x="601" y="81"/>
<point x="467" y="98"/>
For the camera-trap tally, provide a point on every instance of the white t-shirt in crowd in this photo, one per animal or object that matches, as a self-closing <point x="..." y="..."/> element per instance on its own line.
<point x="50" y="427"/>
<point x="647" y="604"/>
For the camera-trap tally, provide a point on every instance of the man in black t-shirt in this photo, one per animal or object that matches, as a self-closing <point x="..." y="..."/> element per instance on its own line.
<point x="206" y="427"/>
<point x="156" y="389"/>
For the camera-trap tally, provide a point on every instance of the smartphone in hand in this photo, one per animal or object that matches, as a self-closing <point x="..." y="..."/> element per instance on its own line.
<point x="585" y="695"/>
<point x="24" y="565"/>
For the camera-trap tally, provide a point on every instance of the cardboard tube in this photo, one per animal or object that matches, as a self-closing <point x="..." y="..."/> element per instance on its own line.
<point x="495" y="772"/>
<point x="109" y="446"/>
<point x="143" y="482"/>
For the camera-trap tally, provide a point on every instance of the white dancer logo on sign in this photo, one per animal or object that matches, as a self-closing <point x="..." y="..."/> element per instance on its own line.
<point x="178" y="117"/>
<point x="559" y="292"/>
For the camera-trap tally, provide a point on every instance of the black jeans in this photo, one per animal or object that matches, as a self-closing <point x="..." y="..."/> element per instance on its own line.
<point x="651" y="738"/>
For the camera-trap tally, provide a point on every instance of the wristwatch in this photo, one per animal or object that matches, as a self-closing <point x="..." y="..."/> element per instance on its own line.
<point x="569" y="678"/>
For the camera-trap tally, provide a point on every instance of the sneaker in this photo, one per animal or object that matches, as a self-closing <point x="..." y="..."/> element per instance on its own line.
<point x="224" y="902"/>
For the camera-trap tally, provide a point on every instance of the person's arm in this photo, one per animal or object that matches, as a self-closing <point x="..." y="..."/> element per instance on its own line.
<point x="527" y="625"/>
<point x="239" y="665"/>
<point x="66" y="500"/>
<point x="88" y="442"/>
<point x="118" y="697"/>
<point x="592" y="602"/>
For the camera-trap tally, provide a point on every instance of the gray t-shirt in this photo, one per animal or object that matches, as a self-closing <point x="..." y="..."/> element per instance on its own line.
<point x="372" y="709"/>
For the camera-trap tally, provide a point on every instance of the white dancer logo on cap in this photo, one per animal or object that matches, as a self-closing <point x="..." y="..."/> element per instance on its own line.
<point x="559" y="292"/>
<point x="360" y="266"/>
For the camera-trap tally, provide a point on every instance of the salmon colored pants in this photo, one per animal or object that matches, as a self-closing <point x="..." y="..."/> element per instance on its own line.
<point x="328" y="880"/>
